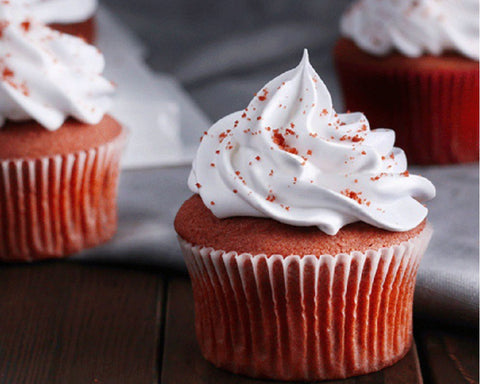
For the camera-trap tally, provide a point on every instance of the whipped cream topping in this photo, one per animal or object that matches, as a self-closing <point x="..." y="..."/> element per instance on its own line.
<point x="57" y="11"/>
<point x="414" y="27"/>
<point x="290" y="157"/>
<point x="47" y="76"/>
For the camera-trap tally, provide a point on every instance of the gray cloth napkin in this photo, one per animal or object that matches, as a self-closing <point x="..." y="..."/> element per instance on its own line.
<point x="225" y="50"/>
<point x="447" y="286"/>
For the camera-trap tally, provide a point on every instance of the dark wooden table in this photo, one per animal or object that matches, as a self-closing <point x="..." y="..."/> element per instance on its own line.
<point x="69" y="323"/>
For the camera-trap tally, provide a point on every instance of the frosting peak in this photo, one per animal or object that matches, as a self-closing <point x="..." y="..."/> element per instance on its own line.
<point x="290" y="157"/>
<point x="47" y="76"/>
<point x="414" y="27"/>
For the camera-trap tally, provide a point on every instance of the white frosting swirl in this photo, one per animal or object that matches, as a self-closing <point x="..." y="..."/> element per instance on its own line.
<point x="288" y="156"/>
<point x="414" y="27"/>
<point x="58" y="11"/>
<point x="47" y="76"/>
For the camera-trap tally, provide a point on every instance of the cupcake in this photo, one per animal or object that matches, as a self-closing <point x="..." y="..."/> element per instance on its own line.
<point x="75" y="17"/>
<point x="413" y="66"/>
<point x="303" y="237"/>
<point x="59" y="151"/>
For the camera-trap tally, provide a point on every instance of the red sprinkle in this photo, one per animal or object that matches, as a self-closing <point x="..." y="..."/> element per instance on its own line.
<point x="222" y="136"/>
<point x="357" y="139"/>
<point x="354" y="196"/>
<point x="288" y="131"/>
<point x="3" y="25"/>
<point x="280" y="141"/>
<point x="264" y="96"/>
<point x="7" y="73"/>
<point x="377" y="177"/>
<point x="25" y="25"/>
<point x="271" y="198"/>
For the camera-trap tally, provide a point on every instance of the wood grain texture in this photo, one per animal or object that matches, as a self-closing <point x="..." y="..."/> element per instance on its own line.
<point x="69" y="323"/>
<point x="183" y="363"/>
<point x="450" y="357"/>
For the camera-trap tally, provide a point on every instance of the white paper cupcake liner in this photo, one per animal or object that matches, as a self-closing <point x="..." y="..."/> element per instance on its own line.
<point x="55" y="206"/>
<point x="305" y="318"/>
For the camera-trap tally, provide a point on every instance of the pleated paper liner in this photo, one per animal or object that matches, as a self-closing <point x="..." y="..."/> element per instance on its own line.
<point x="53" y="206"/>
<point x="434" y="110"/>
<point x="305" y="318"/>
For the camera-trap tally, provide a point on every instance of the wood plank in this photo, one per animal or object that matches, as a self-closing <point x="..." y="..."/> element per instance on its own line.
<point x="450" y="357"/>
<point x="183" y="363"/>
<point x="62" y="322"/>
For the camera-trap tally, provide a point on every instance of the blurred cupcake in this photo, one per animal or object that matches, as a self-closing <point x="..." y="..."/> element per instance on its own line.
<point x="75" y="17"/>
<point x="303" y="237"/>
<point x="59" y="152"/>
<point x="413" y="66"/>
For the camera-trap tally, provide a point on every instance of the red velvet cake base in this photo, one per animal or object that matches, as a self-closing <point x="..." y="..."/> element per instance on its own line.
<point x="29" y="140"/>
<point x="56" y="204"/>
<point x="198" y="225"/>
<point x="431" y="102"/>
<point x="85" y="29"/>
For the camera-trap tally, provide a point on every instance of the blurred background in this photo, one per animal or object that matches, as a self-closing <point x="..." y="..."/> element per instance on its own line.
<point x="223" y="51"/>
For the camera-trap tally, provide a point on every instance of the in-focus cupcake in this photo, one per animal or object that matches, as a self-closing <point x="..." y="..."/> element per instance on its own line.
<point x="75" y="17"/>
<point x="413" y="66"/>
<point x="59" y="151"/>
<point x="303" y="237"/>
